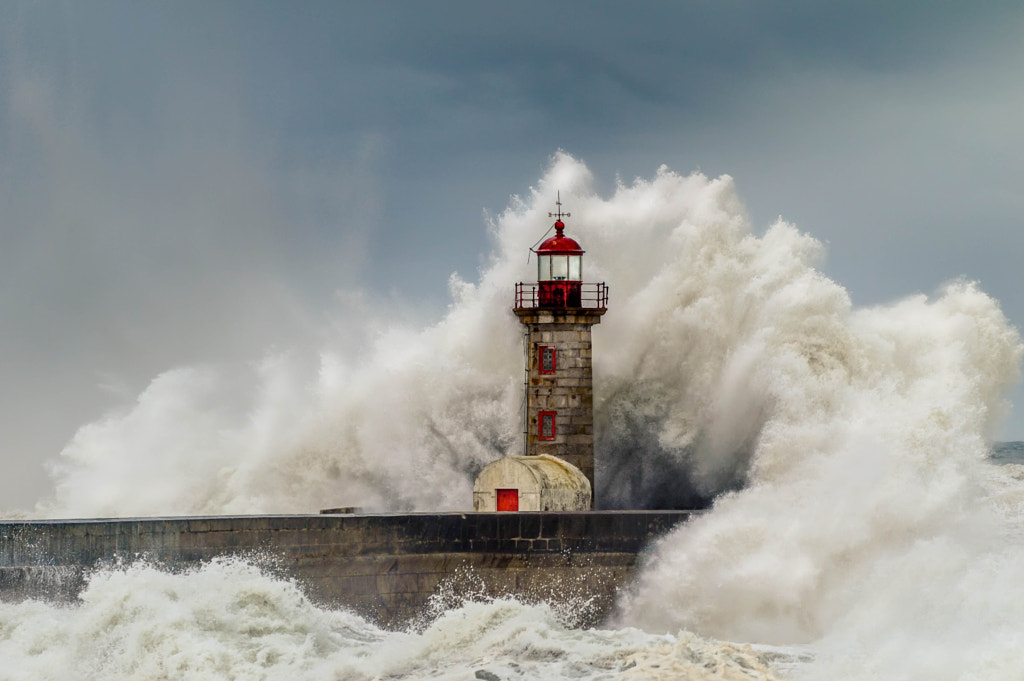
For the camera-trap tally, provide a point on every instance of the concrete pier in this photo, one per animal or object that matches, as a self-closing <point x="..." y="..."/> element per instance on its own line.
<point x="384" y="567"/>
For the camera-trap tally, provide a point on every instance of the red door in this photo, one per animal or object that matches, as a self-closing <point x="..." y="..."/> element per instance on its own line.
<point x="508" y="499"/>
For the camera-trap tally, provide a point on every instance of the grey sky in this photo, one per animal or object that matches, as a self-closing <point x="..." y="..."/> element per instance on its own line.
<point x="195" y="181"/>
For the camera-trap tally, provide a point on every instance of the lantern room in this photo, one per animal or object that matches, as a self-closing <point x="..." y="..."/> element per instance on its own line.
<point x="560" y="275"/>
<point x="559" y="270"/>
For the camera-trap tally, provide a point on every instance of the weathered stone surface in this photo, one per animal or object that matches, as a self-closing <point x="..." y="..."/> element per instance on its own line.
<point x="542" y="483"/>
<point x="569" y="391"/>
<point x="385" y="567"/>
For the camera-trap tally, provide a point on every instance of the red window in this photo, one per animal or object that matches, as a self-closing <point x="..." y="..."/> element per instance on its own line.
<point x="546" y="425"/>
<point x="508" y="499"/>
<point x="548" y="361"/>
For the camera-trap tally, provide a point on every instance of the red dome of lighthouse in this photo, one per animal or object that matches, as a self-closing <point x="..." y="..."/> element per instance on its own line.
<point x="560" y="243"/>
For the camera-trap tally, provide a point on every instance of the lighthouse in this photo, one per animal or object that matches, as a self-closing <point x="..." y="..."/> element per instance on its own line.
<point x="557" y="314"/>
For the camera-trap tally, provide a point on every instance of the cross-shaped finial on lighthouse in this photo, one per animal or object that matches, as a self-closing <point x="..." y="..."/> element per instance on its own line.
<point x="559" y="214"/>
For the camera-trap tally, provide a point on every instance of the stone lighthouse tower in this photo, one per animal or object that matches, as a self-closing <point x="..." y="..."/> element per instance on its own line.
<point x="557" y="313"/>
<point x="556" y="470"/>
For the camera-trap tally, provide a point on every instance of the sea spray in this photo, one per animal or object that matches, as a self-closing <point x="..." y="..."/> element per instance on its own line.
<point x="872" y="520"/>
<point x="227" y="620"/>
<point x="406" y="422"/>
<point x="845" y="450"/>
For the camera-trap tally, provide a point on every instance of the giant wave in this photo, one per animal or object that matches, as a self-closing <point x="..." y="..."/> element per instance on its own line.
<point x="856" y="514"/>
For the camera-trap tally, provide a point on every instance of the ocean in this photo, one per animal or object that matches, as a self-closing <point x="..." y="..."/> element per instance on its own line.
<point x="861" y="523"/>
<point x="229" y="620"/>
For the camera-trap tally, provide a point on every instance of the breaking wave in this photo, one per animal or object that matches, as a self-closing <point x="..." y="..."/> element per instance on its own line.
<point x="845" y="450"/>
<point x="229" y="620"/>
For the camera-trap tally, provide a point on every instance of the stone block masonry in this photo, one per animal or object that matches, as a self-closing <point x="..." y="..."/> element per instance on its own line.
<point x="567" y="390"/>
<point x="384" y="567"/>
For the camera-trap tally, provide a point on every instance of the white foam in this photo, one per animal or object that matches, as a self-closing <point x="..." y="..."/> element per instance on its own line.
<point x="865" y="523"/>
<point x="859" y="511"/>
<point x="229" y="620"/>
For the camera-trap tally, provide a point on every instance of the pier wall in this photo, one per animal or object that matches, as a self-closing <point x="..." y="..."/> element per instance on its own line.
<point x="384" y="567"/>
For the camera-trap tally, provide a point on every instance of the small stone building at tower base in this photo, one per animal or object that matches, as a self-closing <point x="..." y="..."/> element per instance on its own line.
<point x="531" y="483"/>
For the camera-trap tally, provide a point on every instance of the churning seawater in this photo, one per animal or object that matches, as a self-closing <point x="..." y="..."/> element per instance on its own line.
<point x="859" y="528"/>
<point x="228" y="620"/>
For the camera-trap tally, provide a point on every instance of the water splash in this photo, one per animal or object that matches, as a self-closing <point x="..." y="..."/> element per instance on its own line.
<point x="865" y="513"/>
<point x="408" y="421"/>
<point x="229" y="620"/>
<point x="845" y="449"/>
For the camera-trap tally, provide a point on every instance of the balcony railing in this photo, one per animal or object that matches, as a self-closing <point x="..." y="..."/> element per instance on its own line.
<point x="561" y="295"/>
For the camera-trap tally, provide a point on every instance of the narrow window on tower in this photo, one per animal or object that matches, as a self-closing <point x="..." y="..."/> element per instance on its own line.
<point x="546" y="426"/>
<point x="547" y="359"/>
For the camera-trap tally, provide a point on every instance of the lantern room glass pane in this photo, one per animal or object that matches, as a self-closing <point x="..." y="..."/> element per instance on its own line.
<point x="559" y="267"/>
<point x="575" y="267"/>
<point x="543" y="268"/>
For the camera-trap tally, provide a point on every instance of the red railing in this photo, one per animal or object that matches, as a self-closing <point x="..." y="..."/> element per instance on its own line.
<point x="561" y="294"/>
